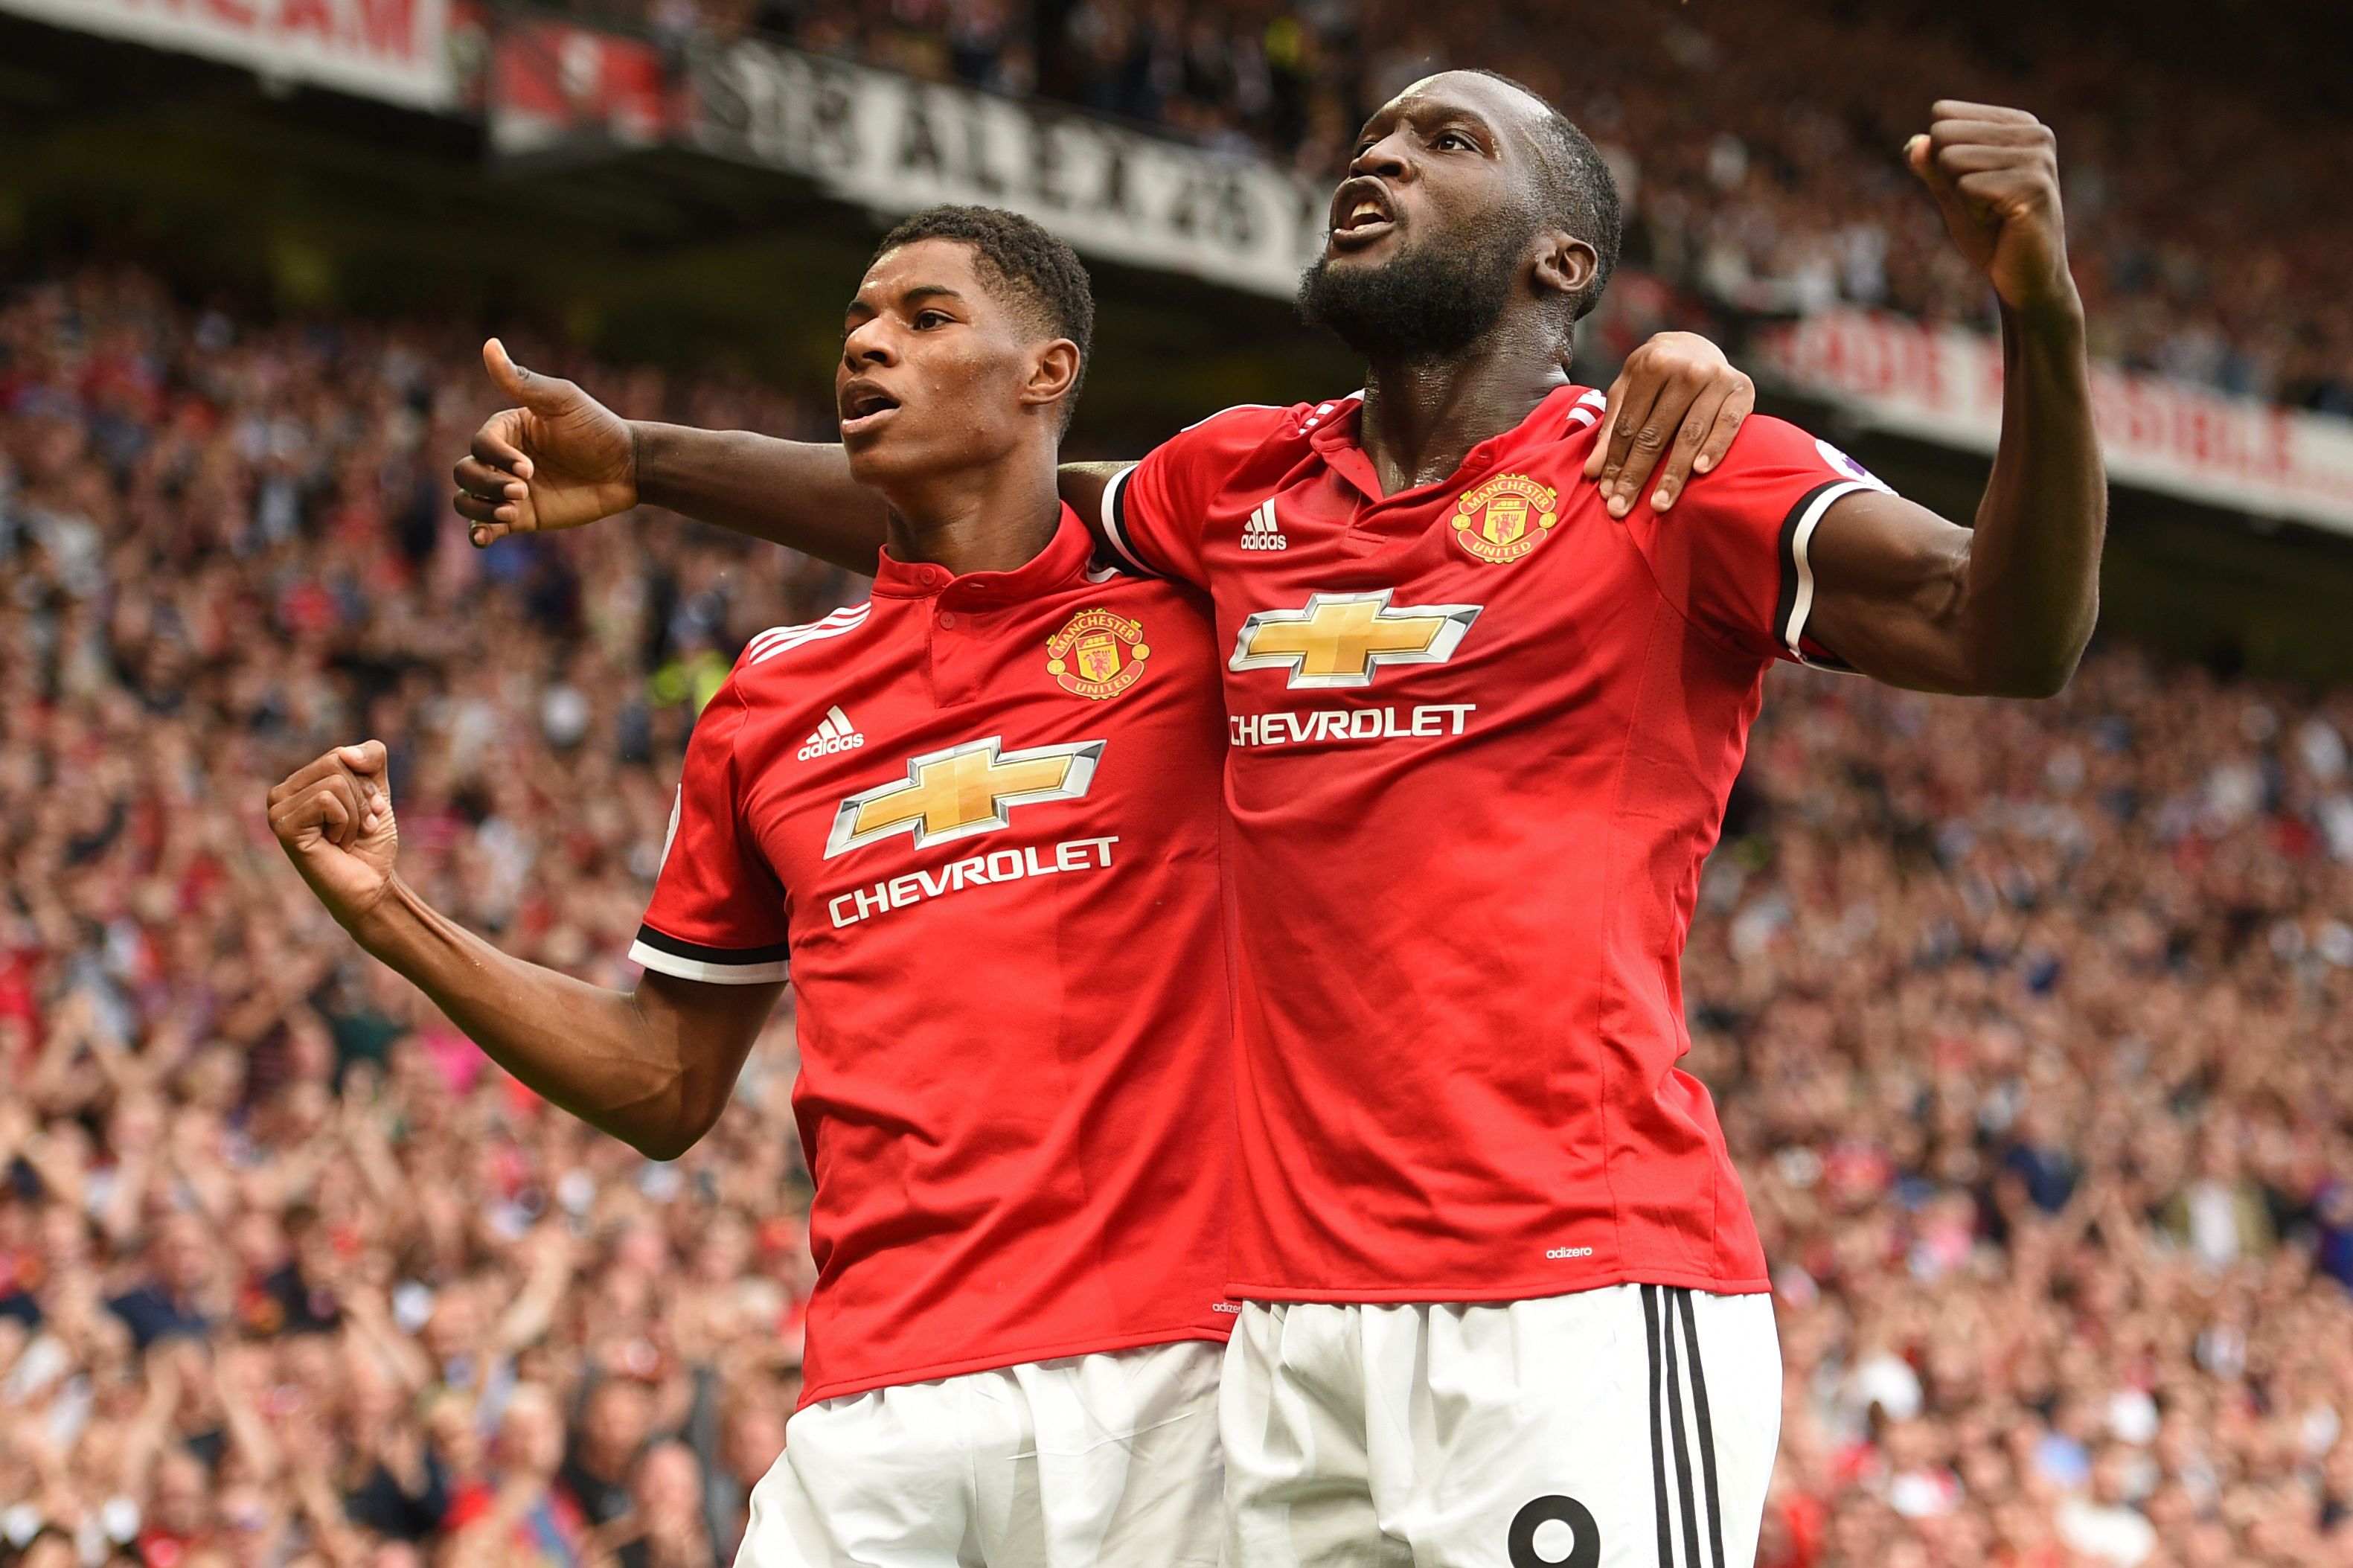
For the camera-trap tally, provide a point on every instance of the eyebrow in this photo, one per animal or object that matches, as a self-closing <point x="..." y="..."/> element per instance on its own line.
<point x="915" y="296"/>
<point x="1421" y="111"/>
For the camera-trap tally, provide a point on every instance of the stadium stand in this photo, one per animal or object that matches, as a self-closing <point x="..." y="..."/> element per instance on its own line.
<point x="2031" y="1026"/>
<point x="1761" y="179"/>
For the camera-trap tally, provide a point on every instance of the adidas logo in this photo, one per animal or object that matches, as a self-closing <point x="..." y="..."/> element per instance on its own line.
<point x="1261" y="532"/>
<point x="836" y="734"/>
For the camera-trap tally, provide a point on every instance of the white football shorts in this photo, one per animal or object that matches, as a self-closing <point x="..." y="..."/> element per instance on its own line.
<point x="1634" y="1425"/>
<point x="1092" y="1461"/>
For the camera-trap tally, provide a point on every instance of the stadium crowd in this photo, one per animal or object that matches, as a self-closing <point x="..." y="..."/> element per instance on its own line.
<point x="2032" y="1025"/>
<point x="1759" y="179"/>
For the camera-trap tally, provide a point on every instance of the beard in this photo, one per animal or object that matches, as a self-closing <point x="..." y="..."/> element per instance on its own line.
<point x="1429" y="301"/>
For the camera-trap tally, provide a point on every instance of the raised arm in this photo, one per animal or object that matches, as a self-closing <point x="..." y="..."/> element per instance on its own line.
<point x="652" y="1066"/>
<point x="2004" y="608"/>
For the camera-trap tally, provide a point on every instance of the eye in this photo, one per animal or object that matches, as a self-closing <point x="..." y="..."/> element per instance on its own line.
<point x="926" y="319"/>
<point x="1455" y="139"/>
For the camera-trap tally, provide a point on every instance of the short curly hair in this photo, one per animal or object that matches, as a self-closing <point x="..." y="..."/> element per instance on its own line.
<point x="1040" y="276"/>
<point x="1579" y="192"/>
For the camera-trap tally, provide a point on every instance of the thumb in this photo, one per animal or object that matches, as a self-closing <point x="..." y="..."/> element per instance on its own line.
<point x="536" y="393"/>
<point x="365" y="759"/>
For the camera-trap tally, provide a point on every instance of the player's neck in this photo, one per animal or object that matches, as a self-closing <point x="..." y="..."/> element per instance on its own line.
<point x="993" y="519"/>
<point x="1423" y="416"/>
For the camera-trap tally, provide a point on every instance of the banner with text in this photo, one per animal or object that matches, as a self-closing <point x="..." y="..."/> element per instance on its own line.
<point x="895" y="144"/>
<point x="1944" y="384"/>
<point x="392" y="50"/>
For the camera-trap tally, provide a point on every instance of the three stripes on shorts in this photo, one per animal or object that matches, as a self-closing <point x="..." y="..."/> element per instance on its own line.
<point x="1676" y="1379"/>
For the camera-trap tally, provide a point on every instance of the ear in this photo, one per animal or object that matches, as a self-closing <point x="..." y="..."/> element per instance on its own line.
<point x="1053" y="372"/>
<point x="1565" y="264"/>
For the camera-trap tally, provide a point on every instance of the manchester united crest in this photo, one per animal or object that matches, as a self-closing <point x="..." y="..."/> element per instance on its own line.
<point x="1505" y="518"/>
<point x="1098" y="653"/>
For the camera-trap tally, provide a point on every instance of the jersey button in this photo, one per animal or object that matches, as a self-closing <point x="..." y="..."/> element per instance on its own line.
<point x="948" y="619"/>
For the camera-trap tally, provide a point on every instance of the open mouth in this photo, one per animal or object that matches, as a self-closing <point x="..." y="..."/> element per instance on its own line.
<point x="1361" y="213"/>
<point x="863" y="406"/>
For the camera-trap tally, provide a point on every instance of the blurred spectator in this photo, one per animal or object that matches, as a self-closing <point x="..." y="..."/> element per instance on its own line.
<point x="288" y="1275"/>
<point x="1756" y="177"/>
<point x="2031" y="1026"/>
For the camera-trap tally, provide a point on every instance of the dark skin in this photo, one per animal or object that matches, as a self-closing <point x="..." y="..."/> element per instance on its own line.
<point x="1430" y="166"/>
<point x="2004" y="607"/>
<point x="951" y="409"/>
<point x="559" y="458"/>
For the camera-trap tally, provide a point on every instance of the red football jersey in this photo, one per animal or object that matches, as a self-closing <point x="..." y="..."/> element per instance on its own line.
<point x="978" y="817"/>
<point x="1481" y="735"/>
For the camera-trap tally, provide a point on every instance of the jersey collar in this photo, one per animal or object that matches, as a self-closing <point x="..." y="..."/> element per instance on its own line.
<point x="1339" y="441"/>
<point x="1064" y="557"/>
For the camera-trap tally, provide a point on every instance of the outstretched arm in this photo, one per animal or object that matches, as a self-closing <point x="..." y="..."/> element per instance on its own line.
<point x="2004" y="608"/>
<point x="560" y="458"/>
<point x="653" y="1067"/>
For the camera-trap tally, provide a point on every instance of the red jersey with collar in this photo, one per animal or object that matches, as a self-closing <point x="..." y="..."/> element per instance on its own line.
<point x="1480" y="738"/>
<point x="978" y="817"/>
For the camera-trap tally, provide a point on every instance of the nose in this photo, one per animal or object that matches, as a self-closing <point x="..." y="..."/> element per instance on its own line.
<point x="1385" y="157"/>
<point x="869" y="346"/>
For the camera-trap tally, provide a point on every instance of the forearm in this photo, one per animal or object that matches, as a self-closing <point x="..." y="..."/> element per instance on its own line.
<point x="794" y="493"/>
<point x="591" y="1051"/>
<point x="798" y="494"/>
<point x="2034" y="582"/>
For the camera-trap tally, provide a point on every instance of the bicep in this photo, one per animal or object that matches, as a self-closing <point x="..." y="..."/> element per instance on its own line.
<point x="1887" y="579"/>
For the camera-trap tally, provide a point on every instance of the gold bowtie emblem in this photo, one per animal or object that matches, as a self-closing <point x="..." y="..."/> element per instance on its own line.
<point x="1341" y="639"/>
<point x="963" y="790"/>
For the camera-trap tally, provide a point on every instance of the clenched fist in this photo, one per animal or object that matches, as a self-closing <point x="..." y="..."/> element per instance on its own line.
<point x="1995" y="173"/>
<point x="559" y="460"/>
<point x="333" y="819"/>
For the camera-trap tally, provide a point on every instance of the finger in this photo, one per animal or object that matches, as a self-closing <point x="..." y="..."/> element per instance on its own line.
<point x="489" y="479"/>
<point x="474" y="508"/>
<point x="1991" y="133"/>
<point x="352" y="812"/>
<point x="1633" y="426"/>
<point x="1919" y="155"/>
<point x="1736" y="408"/>
<point x="1963" y="109"/>
<point x="1689" y="436"/>
<point x="494" y="445"/>
<point x="482" y="535"/>
<point x="1976" y="158"/>
<point x="1658" y="432"/>
<point x="322" y="808"/>
<point x="366" y="758"/>
<point x="303" y="778"/>
<point x="358" y="816"/>
<point x="2003" y="185"/>
<point x="1600" y="453"/>
<point x="539" y="393"/>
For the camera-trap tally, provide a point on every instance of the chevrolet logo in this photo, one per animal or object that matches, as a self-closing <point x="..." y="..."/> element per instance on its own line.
<point x="961" y="791"/>
<point x="1340" y="639"/>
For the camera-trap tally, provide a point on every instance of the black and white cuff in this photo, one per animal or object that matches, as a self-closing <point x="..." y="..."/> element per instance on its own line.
<point x="1114" y="523"/>
<point x="667" y="956"/>
<point x="1798" y="574"/>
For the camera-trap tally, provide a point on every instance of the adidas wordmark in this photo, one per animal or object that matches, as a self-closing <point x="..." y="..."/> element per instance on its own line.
<point x="836" y="734"/>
